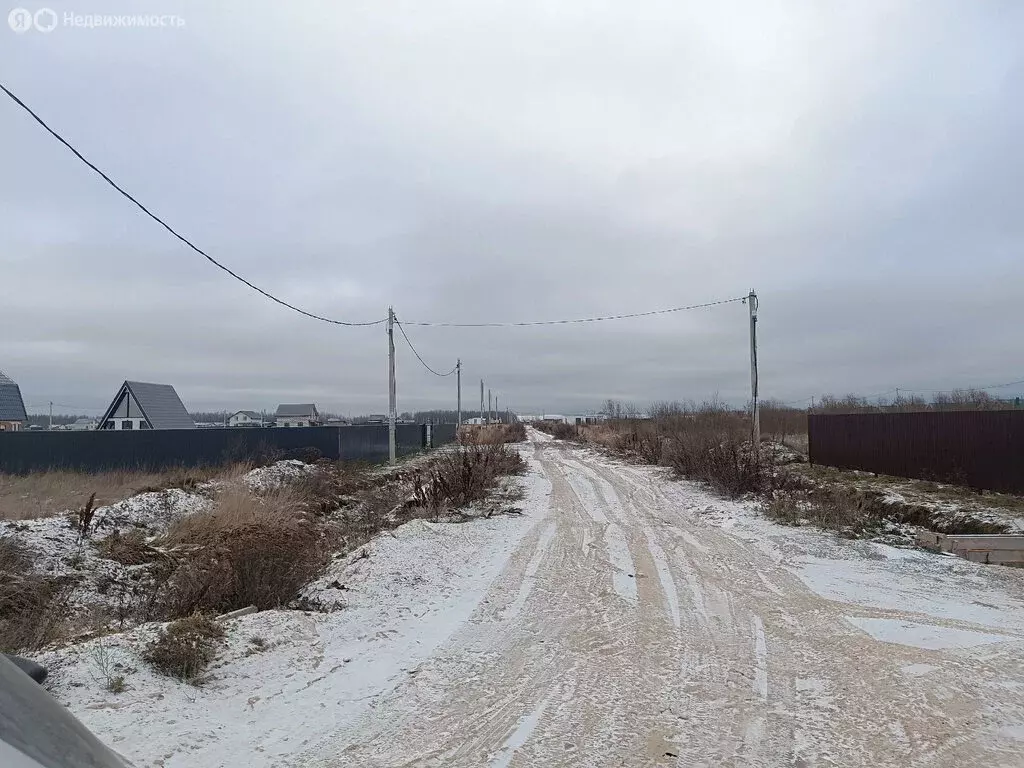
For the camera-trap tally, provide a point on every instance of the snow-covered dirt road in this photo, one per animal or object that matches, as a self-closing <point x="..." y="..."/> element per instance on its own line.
<point x="646" y="623"/>
<point x="624" y="620"/>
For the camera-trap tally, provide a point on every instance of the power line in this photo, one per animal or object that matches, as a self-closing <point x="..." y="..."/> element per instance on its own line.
<point x="579" y="320"/>
<point x="954" y="389"/>
<point x="170" y="229"/>
<point x="406" y="337"/>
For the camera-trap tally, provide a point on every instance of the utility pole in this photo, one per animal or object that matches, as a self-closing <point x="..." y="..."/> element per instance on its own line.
<point x="755" y="408"/>
<point x="392" y="405"/>
<point x="489" y="401"/>
<point x="497" y="410"/>
<point x="458" y="401"/>
<point x="481" y="401"/>
<point x="50" y="428"/>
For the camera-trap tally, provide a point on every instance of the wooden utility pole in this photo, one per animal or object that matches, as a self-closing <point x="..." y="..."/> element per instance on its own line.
<point x="392" y="404"/>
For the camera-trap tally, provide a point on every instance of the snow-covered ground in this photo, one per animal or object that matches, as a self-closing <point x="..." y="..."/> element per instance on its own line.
<point x="622" y="619"/>
<point x="57" y="548"/>
<point x="411" y="591"/>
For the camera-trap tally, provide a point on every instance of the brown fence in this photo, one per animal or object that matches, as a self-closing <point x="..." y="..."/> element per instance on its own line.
<point x="980" y="449"/>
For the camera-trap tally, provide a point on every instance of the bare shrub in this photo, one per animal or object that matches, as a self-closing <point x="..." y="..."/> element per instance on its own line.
<point x="833" y="509"/>
<point x="106" y="669"/>
<point x="85" y="516"/>
<point x="185" y="648"/>
<point x="32" y="606"/>
<point x="247" y="550"/>
<point x="462" y="477"/>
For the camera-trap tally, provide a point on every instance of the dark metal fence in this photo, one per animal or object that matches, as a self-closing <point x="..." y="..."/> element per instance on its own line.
<point x="22" y="452"/>
<point x="980" y="449"/>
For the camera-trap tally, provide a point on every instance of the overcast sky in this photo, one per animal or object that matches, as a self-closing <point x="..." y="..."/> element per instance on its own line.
<point x="858" y="164"/>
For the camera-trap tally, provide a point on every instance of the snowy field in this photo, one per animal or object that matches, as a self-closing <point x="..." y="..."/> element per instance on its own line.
<point x="622" y="619"/>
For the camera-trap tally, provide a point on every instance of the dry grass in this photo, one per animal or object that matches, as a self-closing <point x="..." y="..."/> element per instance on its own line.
<point x="185" y="648"/>
<point x="127" y="548"/>
<point x="558" y="429"/>
<point x="832" y="509"/>
<point x="32" y="606"/>
<point x="491" y="434"/>
<point x="45" y="494"/>
<point x="248" y="550"/>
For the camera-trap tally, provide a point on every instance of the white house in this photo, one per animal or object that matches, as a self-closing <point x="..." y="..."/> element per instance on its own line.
<point x="246" y="419"/>
<point x="83" y="424"/>
<point x="140" y="405"/>
<point x="297" y="415"/>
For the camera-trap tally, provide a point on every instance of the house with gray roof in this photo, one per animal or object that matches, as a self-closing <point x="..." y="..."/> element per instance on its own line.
<point x="141" y="405"/>
<point x="246" y="419"/>
<point x="297" y="415"/>
<point x="12" y="407"/>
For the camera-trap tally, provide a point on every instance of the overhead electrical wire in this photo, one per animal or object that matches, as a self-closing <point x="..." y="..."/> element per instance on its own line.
<point x="578" y="320"/>
<point x="170" y="229"/>
<point x="422" y="362"/>
<point x="987" y="386"/>
<point x="313" y="315"/>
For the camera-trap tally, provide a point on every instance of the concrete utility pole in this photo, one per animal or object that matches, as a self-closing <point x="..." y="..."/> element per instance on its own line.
<point x="50" y="428"/>
<point x="481" y="401"/>
<point x="489" y="412"/>
<point x="755" y="407"/>
<point x="392" y="405"/>
<point x="497" y="410"/>
<point x="458" y="401"/>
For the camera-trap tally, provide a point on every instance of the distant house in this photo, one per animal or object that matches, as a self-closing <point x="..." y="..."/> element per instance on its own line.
<point x="12" y="407"/>
<point x="83" y="424"/>
<point x="246" y="419"/>
<point x="297" y="415"/>
<point x="139" y="405"/>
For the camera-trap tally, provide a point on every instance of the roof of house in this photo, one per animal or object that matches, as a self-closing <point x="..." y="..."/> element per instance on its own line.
<point x="12" y="407"/>
<point x="159" y="403"/>
<point x="250" y="414"/>
<point x="296" y="410"/>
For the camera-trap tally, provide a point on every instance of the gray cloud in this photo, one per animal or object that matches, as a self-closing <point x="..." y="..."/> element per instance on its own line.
<point x="857" y="164"/>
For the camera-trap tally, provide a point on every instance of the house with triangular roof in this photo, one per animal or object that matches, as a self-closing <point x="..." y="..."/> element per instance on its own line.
<point x="12" y="407"/>
<point x="297" y="415"/>
<point x="141" y="405"/>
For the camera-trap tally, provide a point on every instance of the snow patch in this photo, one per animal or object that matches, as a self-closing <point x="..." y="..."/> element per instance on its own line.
<point x="278" y="474"/>
<point x="929" y="637"/>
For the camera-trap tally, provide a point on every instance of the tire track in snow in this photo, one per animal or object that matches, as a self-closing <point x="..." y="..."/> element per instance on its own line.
<point x="529" y="578"/>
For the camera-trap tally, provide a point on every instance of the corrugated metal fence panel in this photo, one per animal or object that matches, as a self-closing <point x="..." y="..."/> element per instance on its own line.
<point x="980" y="449"/>
<point x="22" y="452"/>
<point x="443" y="434"/>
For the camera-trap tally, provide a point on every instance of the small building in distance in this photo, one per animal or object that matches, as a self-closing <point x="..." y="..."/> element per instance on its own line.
<point x="141" y="405"/>
<point x="297" y="415"/>
<point x="246" y="419"/>
<point x="83" y="424"/>
<point x="12" y="407"/>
